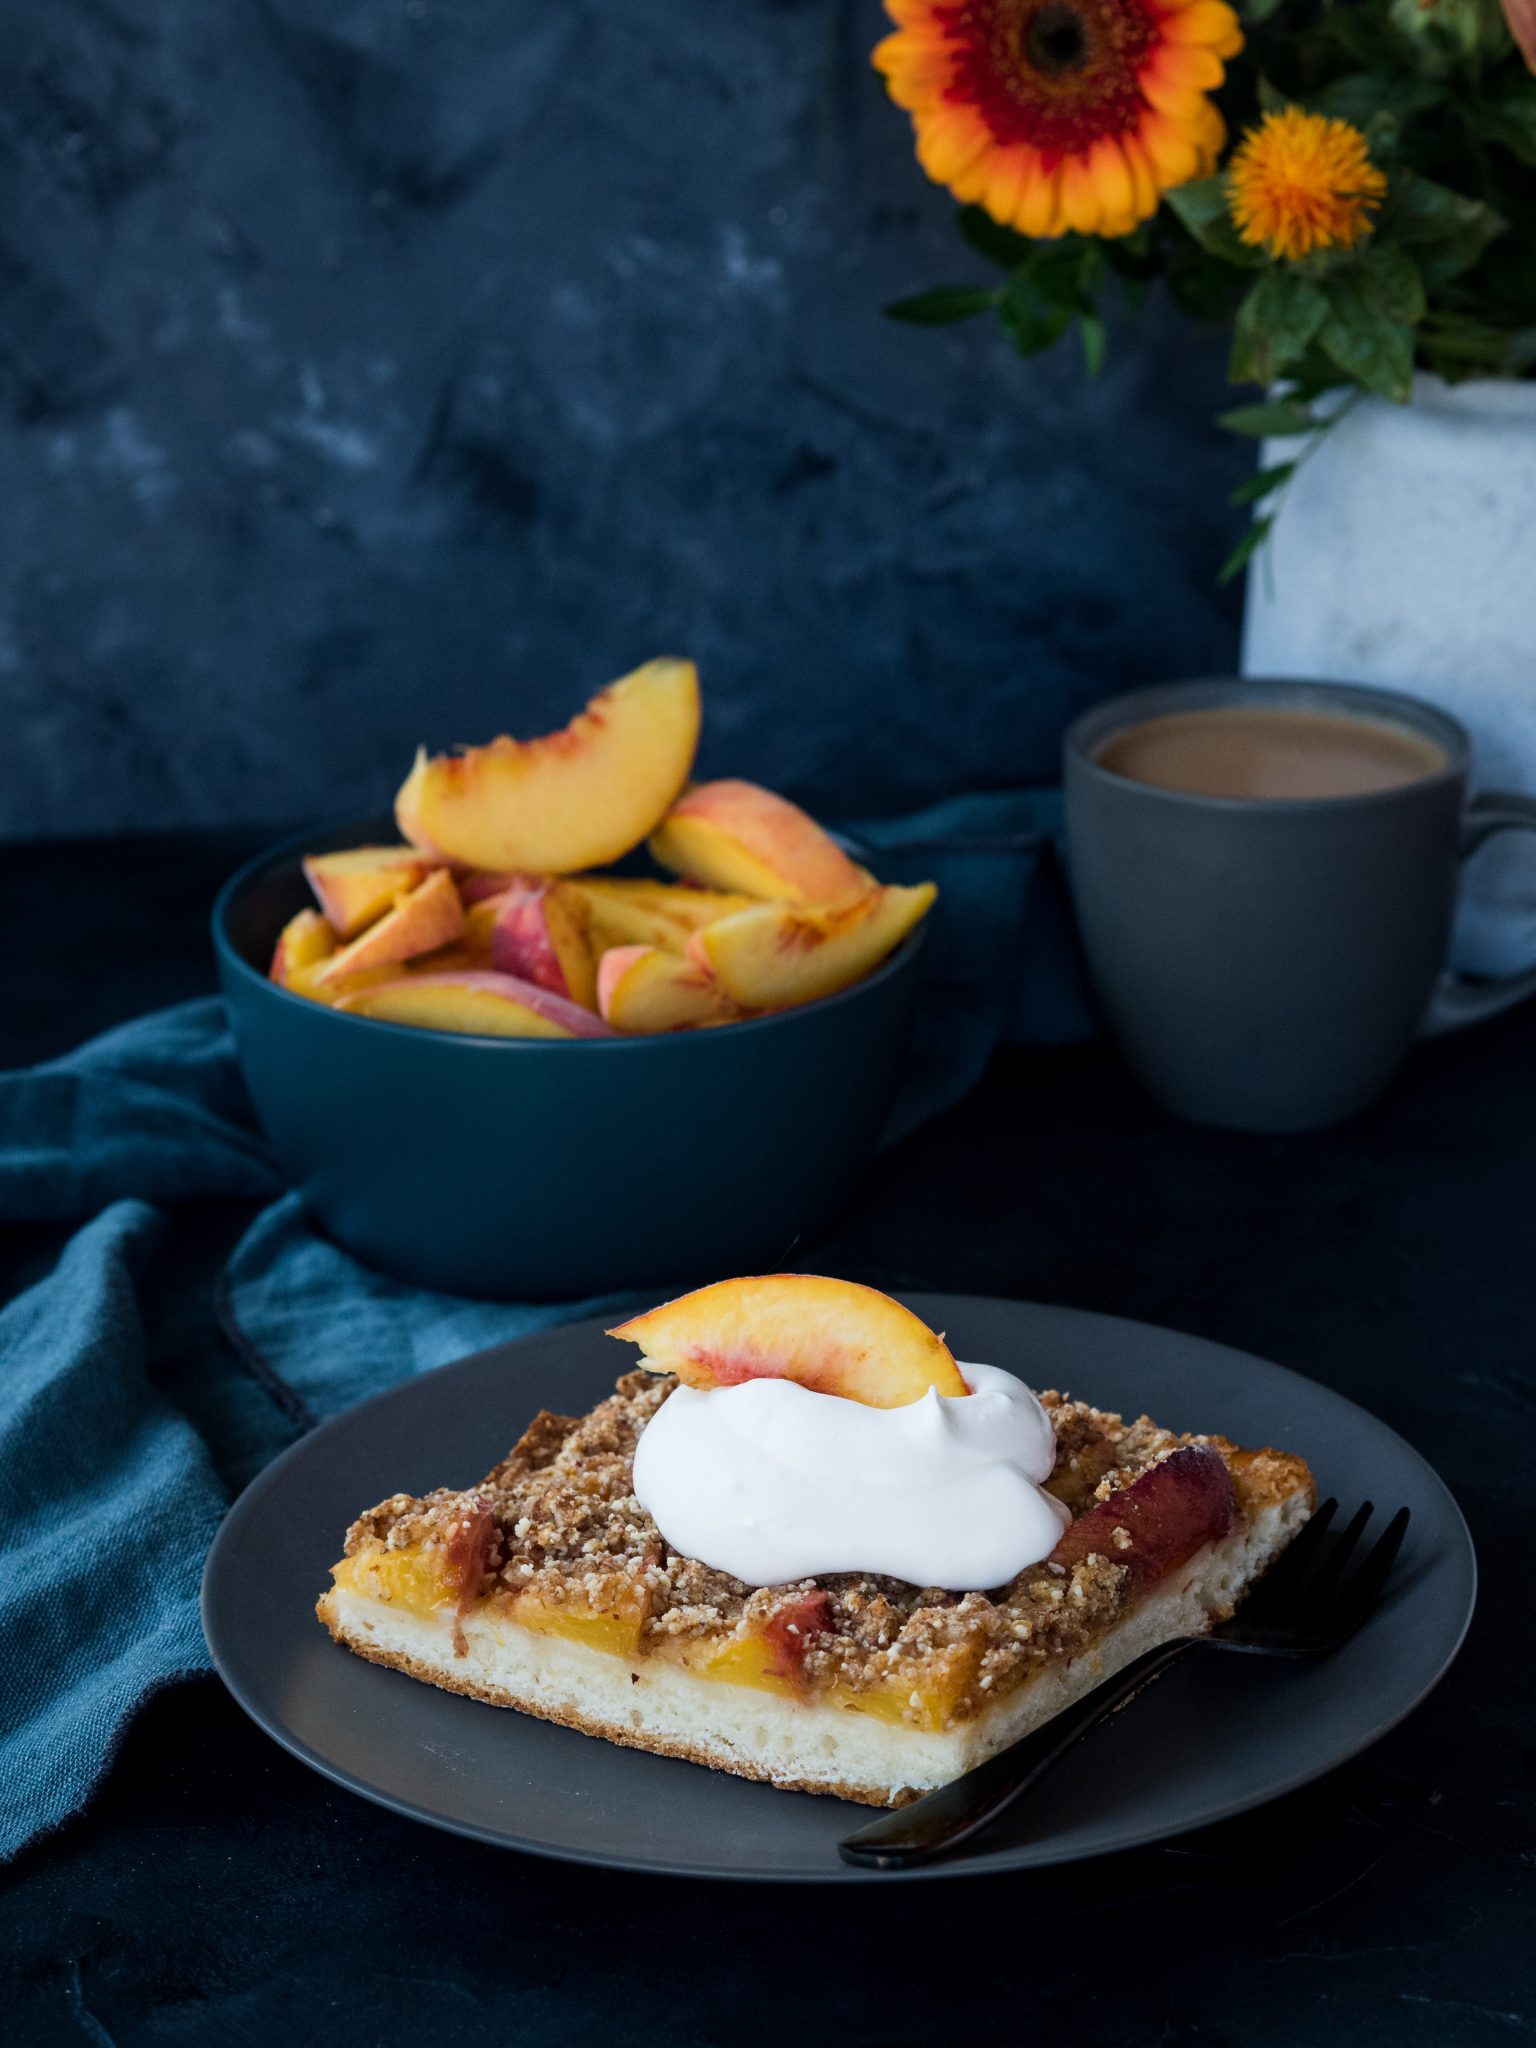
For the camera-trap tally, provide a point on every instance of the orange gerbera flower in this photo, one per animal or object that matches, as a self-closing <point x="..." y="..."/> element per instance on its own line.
<point x="1058" y="114"/>
<point x="1300" y="182"/>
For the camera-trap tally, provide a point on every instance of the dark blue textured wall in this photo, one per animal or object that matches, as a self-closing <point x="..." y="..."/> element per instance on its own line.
<point x="376" y="370"/>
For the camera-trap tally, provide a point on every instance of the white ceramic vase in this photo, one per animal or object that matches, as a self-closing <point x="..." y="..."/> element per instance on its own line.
<point x="1404" y="553"/>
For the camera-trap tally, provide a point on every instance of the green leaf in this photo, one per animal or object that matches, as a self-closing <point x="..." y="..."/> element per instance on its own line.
<point x="1245" y="550"/>
<point x="1062" y="275"/>
<point x="1271" y="99"/>
<point x="1256" y="12"/>
<point x="1368" y="36"/>
<point x="1030" y="323"/>
<point x="945" y="302"/>
<point x="1390" y="283"/>
<point x="1095" y="342"/>
<point x="1511" y="127"/>
<point x="1279" y="317"/>
<point x="1447" y="231"/>
<point x="1457" y="346"/>
<point x="1277" y="417"/>
<point x="1377" y="102"/>
<point x="989" y="238"/>
<point x="1202" y="207"/>
<point x="1262" y="482"/>
<point x="1373" y="349"/>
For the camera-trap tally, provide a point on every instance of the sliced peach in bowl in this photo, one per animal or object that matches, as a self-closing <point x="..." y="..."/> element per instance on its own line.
<point x="543" y="933"/>
<point x="832" y="1336"/>
<point x="305" y="947"/>
<point x="576" y="798"/>
<point x="778" y="954"/>
<point x="360" y="883"/>
<point x="483" y="1004"/>
<point x="475" y="885"/>
<point x="644" y="913"/>
<point x="431" y="915"/>
<point x="640" y="988"/>
<point x="304" y="941"/>
<point x="306" y="981"/>
<point x="479" y="923"/>
<point x="548" y="1169"/>
<point x="737" y="836"/>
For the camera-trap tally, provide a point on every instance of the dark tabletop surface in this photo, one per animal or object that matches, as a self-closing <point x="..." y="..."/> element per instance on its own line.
<point x="216" y="1891"/>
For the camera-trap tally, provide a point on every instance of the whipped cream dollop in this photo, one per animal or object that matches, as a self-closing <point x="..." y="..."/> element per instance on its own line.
<point x="771" y="1482"/>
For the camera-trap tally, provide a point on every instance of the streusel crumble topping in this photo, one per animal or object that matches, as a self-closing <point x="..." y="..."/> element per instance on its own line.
<point x="558" y="1519"/>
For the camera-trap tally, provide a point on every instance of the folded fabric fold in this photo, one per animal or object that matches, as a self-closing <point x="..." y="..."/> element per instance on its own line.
<point x="124" y="1420"/>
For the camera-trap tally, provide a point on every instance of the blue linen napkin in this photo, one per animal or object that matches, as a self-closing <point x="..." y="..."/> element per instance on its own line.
<point x="125" y="1426"/>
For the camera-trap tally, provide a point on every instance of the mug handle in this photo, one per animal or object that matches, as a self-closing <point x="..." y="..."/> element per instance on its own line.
<point x="1457" y="1002"/>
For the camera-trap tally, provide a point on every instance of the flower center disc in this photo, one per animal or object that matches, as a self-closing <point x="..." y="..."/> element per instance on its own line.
<point x="1057" y="75"/>
<point x="1055" y="39"/>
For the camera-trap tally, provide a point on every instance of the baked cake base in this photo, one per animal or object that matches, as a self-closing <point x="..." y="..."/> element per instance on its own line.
<point x="802" y="1745"/>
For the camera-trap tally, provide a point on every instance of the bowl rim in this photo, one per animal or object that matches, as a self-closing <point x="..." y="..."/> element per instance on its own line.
<point x="292" y="850"/>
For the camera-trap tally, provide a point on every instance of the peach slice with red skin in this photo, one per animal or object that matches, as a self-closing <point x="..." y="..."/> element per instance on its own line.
<point x="544" y="935"/>
<point x="430" y="916"/>
<point x="361" y="883"/>
<point x="477" y="885"/>
<point x="573" y="799"/>
<point x="484" y="1004"/>
<point x="832" y="1336"/>
<point x="1168" y="1512"/>
<point x="642" y="989"/>
<point x="739" y="837"/>
<point x="778" y="954"/>
<point x="787" y="1632"/>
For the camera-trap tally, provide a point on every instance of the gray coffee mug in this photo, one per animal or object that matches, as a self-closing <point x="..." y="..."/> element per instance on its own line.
<point x="1266" y="963"/>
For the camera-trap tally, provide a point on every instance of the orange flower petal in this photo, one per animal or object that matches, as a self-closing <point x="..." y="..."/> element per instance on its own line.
<point x="1039" y="211"/>
<point x="1173" y="155"/>
<point x="1007" y="174"/>
<point x="1112" y="180"/>
<point x="1178" y="102"/>
<point x="949" y="141"/>
<point x="1186" y="64"/>
<point x="1142" y="181"/>
<point x="1210" y="22"/>
<point x="1081" y="207"/>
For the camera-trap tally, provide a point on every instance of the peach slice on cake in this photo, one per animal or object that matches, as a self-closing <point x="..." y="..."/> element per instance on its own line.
<point x="736" y="836"/>
<point x="430" y="916"/>
<point x="778" y="954"/>
<point x="1163" y="1517"/>
<point x="832" y="1336"/>
<point x="360" y="884"/>
<point x="642" y="989"/>
<point x="485" y="1004"/>
<point x="576" y="798"/>
<point x="543" y="934"/>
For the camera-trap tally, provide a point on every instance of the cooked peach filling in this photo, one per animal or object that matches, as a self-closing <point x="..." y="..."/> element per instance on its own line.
<point x="417" y="1579"/>
<point x="413" y="1579"/>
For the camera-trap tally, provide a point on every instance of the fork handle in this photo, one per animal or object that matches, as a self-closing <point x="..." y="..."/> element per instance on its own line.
<point x="934" y="1825"/>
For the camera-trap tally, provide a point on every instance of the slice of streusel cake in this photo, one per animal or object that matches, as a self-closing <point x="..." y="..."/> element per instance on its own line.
<point x="550" y="1588"/>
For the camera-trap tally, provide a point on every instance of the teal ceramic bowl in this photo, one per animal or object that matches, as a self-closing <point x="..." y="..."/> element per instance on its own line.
<point x="547" y="1169"/>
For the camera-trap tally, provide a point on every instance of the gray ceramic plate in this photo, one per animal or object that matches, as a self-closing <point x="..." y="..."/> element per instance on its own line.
<point x="1216" y="1736"/>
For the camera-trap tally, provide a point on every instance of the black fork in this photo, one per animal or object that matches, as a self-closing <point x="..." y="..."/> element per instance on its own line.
<point x="1308" y="1605"/>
